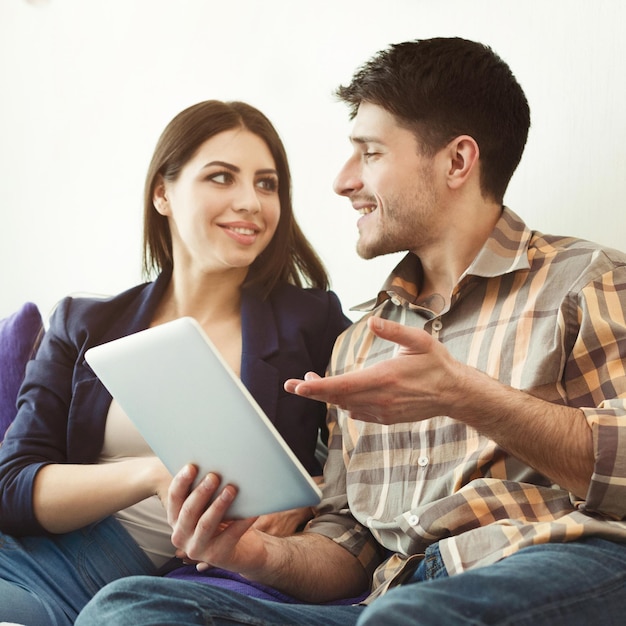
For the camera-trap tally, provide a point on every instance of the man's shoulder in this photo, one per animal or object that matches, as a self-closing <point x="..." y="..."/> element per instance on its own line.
<point x="560" y="247"/>
<point x="576" y="262"/>
<point x="568" y="247"/>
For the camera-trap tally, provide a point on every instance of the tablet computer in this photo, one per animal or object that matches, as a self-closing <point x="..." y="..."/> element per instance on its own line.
<point x="190" y="407"/>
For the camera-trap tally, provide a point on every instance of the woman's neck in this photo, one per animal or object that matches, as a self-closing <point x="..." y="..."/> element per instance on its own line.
<point x="208" y="298"/>
<point x="214" y="301"/>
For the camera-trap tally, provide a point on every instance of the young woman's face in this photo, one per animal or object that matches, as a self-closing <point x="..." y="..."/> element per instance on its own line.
<point x="223" y="208"/>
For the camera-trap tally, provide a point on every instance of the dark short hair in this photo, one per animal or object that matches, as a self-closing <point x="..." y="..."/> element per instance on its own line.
<point x="441" y="88"/>
<point x="289" y="257"/>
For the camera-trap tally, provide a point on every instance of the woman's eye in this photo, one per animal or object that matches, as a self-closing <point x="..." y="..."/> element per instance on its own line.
<point x="268" y="184"/>
<point x="222" y="178"/>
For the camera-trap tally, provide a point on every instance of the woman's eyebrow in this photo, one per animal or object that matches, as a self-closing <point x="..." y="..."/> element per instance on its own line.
<point x="228" y="166"/>
<point x="236" y="169"/>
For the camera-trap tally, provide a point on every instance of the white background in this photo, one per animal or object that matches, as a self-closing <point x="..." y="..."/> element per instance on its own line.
<point x="86" y="88"/>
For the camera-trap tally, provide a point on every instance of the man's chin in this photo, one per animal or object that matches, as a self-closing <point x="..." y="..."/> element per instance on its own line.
<point x="365" y="254"/>
<point x="371" y="251"/>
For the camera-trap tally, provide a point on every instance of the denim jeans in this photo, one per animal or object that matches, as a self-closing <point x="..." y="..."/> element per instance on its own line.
<point x="46" y="580"/>
<point x="573" y="584"/>
<point x="559" y="584"/>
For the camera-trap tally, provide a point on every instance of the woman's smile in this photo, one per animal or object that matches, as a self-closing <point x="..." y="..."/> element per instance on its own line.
<point x="244" y="233"/>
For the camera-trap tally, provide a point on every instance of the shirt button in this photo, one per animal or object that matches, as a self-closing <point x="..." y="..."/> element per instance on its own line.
<point x="422" y="461"/>
<point x="395" y="300"/>
<point x="437" y="325"/>
<point x="413" y="520"/>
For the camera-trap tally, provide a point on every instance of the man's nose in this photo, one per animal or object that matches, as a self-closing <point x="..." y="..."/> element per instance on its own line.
<point x="348" y="179"/>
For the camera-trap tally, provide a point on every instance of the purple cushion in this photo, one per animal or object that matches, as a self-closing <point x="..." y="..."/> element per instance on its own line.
<point x="235" y="582"/>
<point x="19" y="336"/>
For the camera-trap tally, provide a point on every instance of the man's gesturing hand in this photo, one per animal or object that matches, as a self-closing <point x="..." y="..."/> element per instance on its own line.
<point x="422" y="380"/>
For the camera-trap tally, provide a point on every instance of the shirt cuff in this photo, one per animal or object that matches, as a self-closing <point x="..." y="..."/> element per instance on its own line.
<point x="607" y="490"/>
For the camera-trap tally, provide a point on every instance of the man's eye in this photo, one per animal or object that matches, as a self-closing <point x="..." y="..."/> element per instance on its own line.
<point x="369" y="155"/>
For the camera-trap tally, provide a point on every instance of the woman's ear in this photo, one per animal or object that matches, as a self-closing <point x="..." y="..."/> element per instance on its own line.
<point x="159" y="197"/>
<point x="464" y="155"/>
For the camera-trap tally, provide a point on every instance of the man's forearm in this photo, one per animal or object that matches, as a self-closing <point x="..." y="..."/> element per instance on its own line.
<point x="311" y="567"/>
<point x="553" y="439"/>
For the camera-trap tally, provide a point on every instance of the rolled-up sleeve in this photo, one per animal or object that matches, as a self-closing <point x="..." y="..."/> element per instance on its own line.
<point x="598" y="360"/>
<point x="607" y="491"/>
<point x="335" y="519"/>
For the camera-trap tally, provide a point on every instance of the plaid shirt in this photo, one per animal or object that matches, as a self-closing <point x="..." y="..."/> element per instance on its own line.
<point x="540" y="313"/>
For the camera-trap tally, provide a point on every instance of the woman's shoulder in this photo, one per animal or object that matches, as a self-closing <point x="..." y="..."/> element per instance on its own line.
<point x="78" y="316"/>
<point x="87" y="305"/>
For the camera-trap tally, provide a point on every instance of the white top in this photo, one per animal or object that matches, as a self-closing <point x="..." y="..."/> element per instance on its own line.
<point x="146" y="521"/>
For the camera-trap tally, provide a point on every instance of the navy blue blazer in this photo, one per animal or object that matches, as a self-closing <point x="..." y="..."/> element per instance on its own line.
<point x="62" y="406"/>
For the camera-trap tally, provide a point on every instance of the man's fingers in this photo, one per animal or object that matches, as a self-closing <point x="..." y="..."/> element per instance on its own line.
<point x="414" y="340"/>
<point x="201" y="515"/>
<point x="332" y="389"/>
<point x="340" y="389"/>
<point x="213" y="543"/>
<point x="291" y="384"/>
<point x="184" y="517"/>
<point x="178" y="491"/>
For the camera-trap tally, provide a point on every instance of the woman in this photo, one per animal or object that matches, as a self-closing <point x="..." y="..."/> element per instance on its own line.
<point x="80" y="492"/>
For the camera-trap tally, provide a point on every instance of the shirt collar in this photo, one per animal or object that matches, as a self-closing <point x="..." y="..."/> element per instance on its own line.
<point x="504" y="252"/>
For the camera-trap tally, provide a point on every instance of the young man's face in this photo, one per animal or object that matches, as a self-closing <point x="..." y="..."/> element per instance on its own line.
<point x="390" y="183"/>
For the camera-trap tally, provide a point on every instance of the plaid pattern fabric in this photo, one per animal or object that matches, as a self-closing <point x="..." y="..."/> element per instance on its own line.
<point x="540" y="313"/>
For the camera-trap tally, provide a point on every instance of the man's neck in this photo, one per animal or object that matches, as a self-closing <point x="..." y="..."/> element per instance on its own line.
<point x="446" y="260"/>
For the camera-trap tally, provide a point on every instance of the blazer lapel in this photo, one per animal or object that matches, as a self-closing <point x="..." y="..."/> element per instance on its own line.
<point x="137" y="314"/>
<point x="259" y="343"/>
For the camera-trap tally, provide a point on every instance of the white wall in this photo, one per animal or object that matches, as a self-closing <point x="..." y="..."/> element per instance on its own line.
<point x="86" y="88"/>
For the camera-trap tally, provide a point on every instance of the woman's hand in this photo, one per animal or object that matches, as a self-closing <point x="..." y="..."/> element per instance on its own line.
<point x="161" y="479"/>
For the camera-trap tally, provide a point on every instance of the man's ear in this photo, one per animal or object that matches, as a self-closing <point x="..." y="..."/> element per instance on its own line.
<point x="159" y="197"/>
<point x="464" y="154"/>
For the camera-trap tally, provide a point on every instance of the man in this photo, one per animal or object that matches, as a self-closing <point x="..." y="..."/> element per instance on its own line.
<point x="477" y="412"/>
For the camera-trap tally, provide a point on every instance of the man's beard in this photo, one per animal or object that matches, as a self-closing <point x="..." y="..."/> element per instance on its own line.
<point x="401" y="237"/>
<point x="408" y="225"/>
<point x="377" y="248"/>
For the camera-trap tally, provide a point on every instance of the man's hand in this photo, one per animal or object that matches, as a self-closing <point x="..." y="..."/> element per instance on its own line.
<point x="422" y="380"/>
<point x="201" y="529"/>
<point x="306" y="565"/>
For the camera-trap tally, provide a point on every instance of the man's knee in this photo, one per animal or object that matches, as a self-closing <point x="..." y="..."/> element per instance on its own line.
<point x="131" y="600"/>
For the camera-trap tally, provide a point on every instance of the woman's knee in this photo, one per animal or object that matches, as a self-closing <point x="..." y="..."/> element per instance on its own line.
<point x="19" y="606"/>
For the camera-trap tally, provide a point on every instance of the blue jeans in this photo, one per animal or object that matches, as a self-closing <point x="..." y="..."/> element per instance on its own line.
<point x="559" y="584"/>
<point x="573" y="584"/>
<point x="46" y="580"/>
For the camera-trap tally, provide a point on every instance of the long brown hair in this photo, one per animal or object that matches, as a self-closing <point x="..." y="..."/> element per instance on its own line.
<point x="289" y="257"/>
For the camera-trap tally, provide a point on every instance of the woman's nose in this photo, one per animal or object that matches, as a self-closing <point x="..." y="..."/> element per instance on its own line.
<point x="247" y="200"/>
